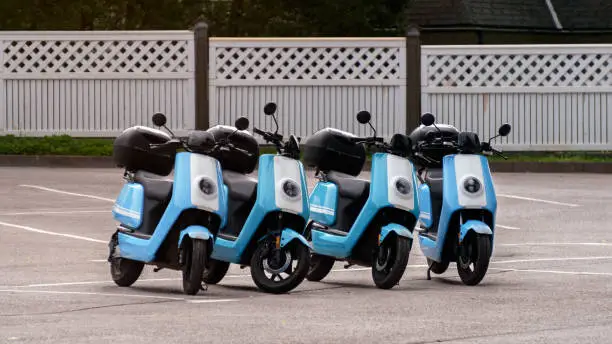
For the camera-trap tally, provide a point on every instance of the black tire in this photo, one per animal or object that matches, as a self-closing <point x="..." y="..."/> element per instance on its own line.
<point x="215" y="271"/>
<point x="193" y="269"/>
<point x="264" y="253"/>
<point x="438" y="268"/>
<point x="479" y="253"/>
<point x="125" y="271"/>
<point x="320" y="266"/>
<point x="389" y="264"/>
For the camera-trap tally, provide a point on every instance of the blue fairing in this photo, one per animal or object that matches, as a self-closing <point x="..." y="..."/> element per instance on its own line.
<point x="145" y="249"/>
<point x="129" y="205"/>
<point x="342" y="246"/>
<point x="425" y="215"/>
<point x="323" y="203"/>
<point x="195" y="232"/>
<point x="394" y="228"/>
<point x="474" y="226"/>
<point x="288" y="235"/>
<point x="450" y="204"/>
<point x="232" y="251"/>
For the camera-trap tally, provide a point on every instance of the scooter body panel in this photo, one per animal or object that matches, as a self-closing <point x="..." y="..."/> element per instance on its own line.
<point x="387" y="171"/>
<point x="190" y="170"/>
<point x="129" y="205"/>
<point x="323" y="203"/>
<point x="276" y="174"/>
<point x="460" y="173"/>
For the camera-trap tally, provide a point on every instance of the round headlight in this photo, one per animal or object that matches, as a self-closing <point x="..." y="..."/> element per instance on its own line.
<point x="403" y="186"/>
<point x="290" y="188"/>
<point x="472" y="185"/>
<point x="207" y="186"/>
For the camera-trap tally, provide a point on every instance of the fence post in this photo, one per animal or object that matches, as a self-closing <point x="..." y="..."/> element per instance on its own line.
<point x="413" y="78"/>
<point x="200" y="33"/>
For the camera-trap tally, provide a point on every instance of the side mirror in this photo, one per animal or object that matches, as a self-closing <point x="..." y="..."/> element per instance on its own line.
<point x="159" y="119"/>
<point x="428" y="119"/>
<point x="242" y="123"/>
<point x="270" y="109"/>
<point x="504" y="130"/>
<point x="364" y="117"/>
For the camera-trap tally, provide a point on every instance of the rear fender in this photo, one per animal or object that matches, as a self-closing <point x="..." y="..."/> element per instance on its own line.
<point x="195" y="232"/>
<point x="394" y="228"/>
<point x="474" y="226"/>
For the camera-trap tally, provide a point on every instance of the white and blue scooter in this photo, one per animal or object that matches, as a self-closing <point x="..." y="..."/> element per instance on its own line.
<point x="168" y="223"/>
<point x="363" y="222"/>
<point x="457" y="199"/>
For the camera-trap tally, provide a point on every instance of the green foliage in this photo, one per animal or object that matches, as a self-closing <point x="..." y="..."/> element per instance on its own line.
<point x="55" y="145"/>
<point x="225" y="17"/>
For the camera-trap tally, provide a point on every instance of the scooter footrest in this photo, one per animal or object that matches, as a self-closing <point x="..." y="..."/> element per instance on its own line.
<point x="133" y="233"/>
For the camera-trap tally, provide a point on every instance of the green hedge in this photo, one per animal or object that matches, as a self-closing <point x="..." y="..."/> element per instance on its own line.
<point x="66" y="145"/>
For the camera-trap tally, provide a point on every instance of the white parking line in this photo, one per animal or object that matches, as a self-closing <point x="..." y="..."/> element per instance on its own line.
<point x="507" y="227"/>
<point x="558" y="244"/>
<point x="116" y="295"/>
<point x="538" y="200"/>
<point x="549" y="259"/>
<point x="212" y="301"/>
<point x="36" y="230"/>
<point x="556" y="272"/>
<point x="56" y="212"/>
<point x="67" y="193"/>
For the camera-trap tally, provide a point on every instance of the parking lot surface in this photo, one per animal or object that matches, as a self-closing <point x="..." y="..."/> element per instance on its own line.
<point x="550" y="280"/>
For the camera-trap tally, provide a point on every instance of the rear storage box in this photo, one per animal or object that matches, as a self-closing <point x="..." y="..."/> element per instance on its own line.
<point x="131" y="151"/>
<point x="449" y="133"/>
<point x="234" y="160"/>
<point x="331" y="150"/>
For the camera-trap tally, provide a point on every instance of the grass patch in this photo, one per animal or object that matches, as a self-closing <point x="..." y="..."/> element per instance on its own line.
<point x="66" y="145"/>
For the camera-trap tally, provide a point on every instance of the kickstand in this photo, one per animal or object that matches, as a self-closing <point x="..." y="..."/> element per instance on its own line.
<point x="204" y="286"/>
<point x="429" y="274"/>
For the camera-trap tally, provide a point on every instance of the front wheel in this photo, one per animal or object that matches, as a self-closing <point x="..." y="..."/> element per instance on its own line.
<point x="125" y="271"/>
<point x="215" y="271"/>
<point x="473" y="259"/>
<point x="193" y="268"/>
<point x="390" y="262"/>
<point x="279" y="270"/>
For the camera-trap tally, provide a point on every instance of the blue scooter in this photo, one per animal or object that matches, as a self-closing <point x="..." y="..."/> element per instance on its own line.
<point x="457" y="198"/>
<point x="367" y="223"/>
<point x="267" y="216"/>
<point x="164" y="222"/>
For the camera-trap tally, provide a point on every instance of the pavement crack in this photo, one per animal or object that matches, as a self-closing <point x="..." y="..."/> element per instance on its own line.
<point x="86" y="309"/>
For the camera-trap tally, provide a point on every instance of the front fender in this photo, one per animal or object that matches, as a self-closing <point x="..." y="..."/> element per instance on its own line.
<point x="288" y="235"/>
<point x="475" y="226"/>
<point x="195" y="232"/>
<point x="395" y="228"/>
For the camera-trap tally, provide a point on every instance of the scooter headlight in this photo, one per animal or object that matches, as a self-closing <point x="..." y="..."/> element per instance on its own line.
<point x="472" y="185"/>
<point x="403" y="187"/>
<point x="291" y="189"/>
<point x="207" y="186"/>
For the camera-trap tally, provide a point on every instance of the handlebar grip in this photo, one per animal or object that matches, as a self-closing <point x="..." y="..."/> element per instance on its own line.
<point x="259" y="132"/>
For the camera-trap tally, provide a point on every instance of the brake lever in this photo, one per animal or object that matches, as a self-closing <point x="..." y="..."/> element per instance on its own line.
<point x="498" y="153"/>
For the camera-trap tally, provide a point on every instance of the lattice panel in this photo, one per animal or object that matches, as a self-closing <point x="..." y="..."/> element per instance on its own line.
<point x="576" y="70"/>
<point x="308" y="63"/>
<point x="102" y="56"/>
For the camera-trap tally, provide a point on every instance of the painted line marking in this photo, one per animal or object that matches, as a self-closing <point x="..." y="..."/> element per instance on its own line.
<point x="36" y="230"/>
<point x="538" y="200"/>
<point x="549" y="259"/>
<point x="56" y="212"/>
<point x="117" y="295"/>
<point x="506" y="227"/>
<point x="67" y="193"/>
<point x="212" y="301"/>
<point x="557" y="272"/>
<point x="558" y="244"/>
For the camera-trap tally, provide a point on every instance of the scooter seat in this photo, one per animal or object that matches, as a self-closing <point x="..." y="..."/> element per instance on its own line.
<point x="156" y="187"/>
<point x="240" y="186"/>
<point x="349" y="186"/>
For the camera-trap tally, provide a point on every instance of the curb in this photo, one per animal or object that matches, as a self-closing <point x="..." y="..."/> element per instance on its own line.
<point x="51" y="161"/>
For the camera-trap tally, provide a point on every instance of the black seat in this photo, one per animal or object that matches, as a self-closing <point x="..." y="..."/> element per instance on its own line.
<point x="349" y="186"/>
<point x="241" y="187"/>
<point x="433" y="178"/>
<point x="156" y="187"/>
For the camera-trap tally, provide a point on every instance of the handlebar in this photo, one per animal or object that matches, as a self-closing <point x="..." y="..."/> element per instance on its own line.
<point x="367" y="139"/>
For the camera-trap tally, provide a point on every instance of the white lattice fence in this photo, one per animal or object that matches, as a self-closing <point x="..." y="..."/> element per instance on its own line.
<point x="94" y="83"/>
<point x="315" y="82"/>
<point x="556" y="97"/>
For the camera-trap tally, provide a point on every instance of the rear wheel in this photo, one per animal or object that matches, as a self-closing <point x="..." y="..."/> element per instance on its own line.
<point x="215" y="271"/>
<point x="390" y="262"/>
<point x="193" y="269"/>
<point x="279" y="270"/>
<point x="125" y="271"/>
<point x="320" y="266"/>
<point x="438" y="267"/>
<point x="473" y="258"/>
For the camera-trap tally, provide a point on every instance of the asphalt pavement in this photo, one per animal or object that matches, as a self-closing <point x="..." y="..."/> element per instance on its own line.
<point x="549" y="282"/>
